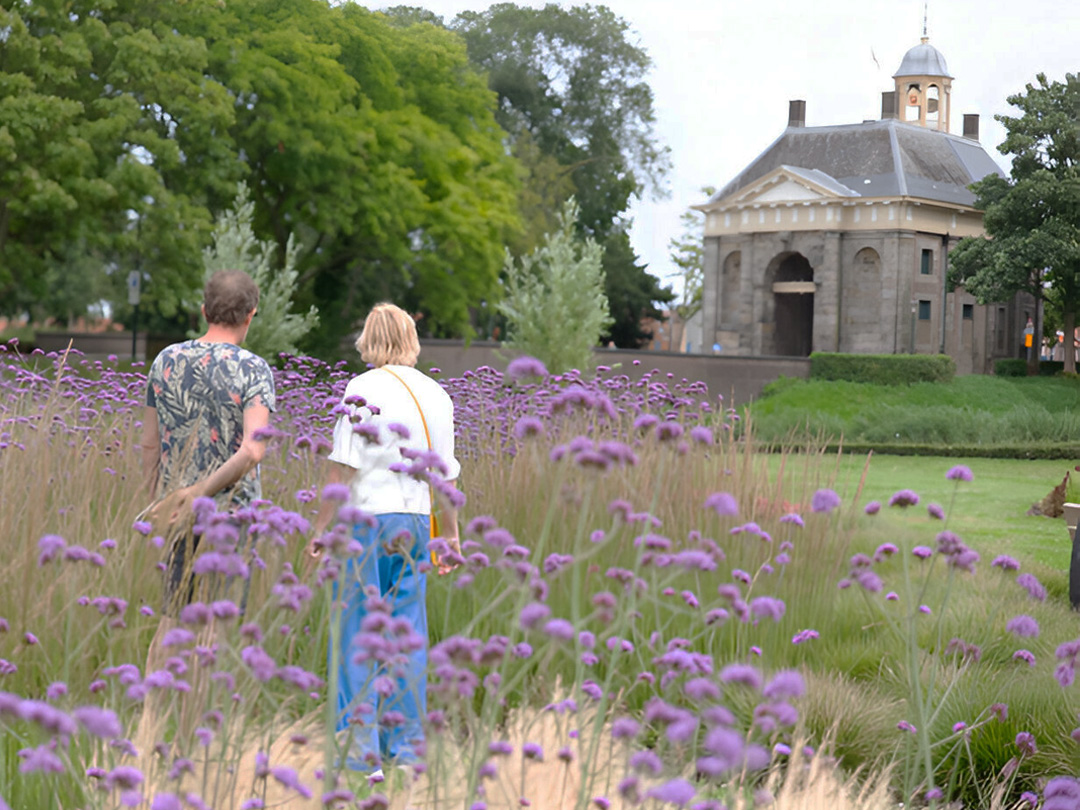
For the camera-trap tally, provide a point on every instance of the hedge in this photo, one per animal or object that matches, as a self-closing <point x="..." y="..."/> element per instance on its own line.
<point x="1015" y="367"/>
<point x="1046" y="451"/>
<point x="883" y="369"/>
<point x="1042" y="450"/>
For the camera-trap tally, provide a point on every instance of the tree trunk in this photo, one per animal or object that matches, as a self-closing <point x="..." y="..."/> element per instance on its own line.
<point x="678" y="331"/>
<point x="1069" y="316"/>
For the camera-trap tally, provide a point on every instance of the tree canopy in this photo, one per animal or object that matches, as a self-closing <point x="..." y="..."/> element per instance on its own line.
<point x="1032" y="218"/>
<point x="573" y="96"/>
<point x="125" y="126"/>
<point x="374" y="138"/>
<point x="378" y="145"/>
<point x="108" y="146"/>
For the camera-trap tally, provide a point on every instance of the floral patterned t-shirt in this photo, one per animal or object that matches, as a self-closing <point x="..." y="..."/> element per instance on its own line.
<point x="200" y="391"/>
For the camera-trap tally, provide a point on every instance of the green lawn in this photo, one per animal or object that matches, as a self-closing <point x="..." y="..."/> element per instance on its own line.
<point x="989" y="513"/>
<point x="974" y="410"/>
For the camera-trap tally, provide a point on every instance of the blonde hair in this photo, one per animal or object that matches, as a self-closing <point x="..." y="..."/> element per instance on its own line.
<point x="389" y="337"/>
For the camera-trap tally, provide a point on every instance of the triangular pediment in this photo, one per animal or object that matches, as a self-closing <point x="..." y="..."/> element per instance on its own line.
<point x="791" y="184"/>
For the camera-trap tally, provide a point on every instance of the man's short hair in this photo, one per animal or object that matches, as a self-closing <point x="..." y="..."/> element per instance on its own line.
<point x="389" y="337"/>
<point x="229" y="297"/>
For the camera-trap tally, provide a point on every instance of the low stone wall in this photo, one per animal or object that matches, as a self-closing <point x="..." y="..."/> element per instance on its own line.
<point x="93" y="344"/>
<point x="738" y="379"/>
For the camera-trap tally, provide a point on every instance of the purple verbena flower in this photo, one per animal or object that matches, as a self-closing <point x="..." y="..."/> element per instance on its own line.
<point x="1005" y="563"/>
<point x="741" y="673"/>
<point x="1026" y="656"/>
<point x="1023" y="626"/>
<point x="959" y="473"/>
<point x="1031" y="584"/>
<point x="1025" y="741"/>
<point x="677" y="791"/>
<point x="904" y="498"/>
<point x="525" y="366"/>
<point x="824" y="501"/>
<point x="723" y="503"/>
<point x="532" y="614"/>
<point x="804" y="635"/>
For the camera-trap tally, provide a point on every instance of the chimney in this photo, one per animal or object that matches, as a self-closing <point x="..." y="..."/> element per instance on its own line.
<point x="888" y="105"/>
<point x="796" y="113"/>
<point x="971" y="126"/>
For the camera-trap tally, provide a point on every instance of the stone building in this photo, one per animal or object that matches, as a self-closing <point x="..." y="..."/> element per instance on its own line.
<point x="836" y="238"/>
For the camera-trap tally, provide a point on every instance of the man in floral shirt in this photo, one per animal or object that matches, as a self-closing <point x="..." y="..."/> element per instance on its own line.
<point x="206" y="402"/>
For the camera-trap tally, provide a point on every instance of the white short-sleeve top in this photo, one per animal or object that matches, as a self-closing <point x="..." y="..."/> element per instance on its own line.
<point x="376" y="488"/>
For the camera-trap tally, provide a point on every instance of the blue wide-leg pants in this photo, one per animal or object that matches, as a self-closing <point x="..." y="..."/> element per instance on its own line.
<point x="394" y="575"/>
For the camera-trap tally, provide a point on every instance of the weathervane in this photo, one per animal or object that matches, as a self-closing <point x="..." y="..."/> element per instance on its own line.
<point x="925" y="11"/>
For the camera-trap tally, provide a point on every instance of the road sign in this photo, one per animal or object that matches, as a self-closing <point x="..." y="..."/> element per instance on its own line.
<point x="134" y="287"/>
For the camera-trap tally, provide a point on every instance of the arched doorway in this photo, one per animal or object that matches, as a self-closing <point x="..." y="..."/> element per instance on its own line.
<point x="793" y="292"/>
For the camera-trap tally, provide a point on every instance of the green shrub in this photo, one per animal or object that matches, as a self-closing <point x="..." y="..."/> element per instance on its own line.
<point x="1048" y="451"/>
<point x="554" y="300"/>
<point x="1015" y="367"/>
<point x="1010" y="367"/>
<point x="883" y="369"/>
<point x="23" y="333"/>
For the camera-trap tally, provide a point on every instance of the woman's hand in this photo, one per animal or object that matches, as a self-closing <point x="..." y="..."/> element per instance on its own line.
<point x="455" y="546"/>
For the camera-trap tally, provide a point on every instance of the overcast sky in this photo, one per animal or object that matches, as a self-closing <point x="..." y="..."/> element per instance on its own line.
<point x="724" y="72"/>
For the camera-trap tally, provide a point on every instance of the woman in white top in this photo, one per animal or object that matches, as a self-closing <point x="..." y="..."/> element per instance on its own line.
<point x="381" y="450"/>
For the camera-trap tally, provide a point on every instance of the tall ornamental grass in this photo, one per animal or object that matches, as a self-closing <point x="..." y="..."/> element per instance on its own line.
<point x="645" y="613"/>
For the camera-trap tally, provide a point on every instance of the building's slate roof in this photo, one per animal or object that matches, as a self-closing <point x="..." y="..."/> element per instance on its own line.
<point x="885" y="158"/>
<point x="822" y="179"/>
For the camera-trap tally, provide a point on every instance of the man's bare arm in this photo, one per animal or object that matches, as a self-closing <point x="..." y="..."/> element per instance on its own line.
<point x="243" y="461"/>
<point x="239" y="464"/>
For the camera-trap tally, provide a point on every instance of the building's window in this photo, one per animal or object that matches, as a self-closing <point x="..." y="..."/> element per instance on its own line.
<point x="969" y="312"/>
<point x="932" y="104"/>
<point x="924" y="310"/>
<point x="913" y="105"/>
<point x="926" y="267"/>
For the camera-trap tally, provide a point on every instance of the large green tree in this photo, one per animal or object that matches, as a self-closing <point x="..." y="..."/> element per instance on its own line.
<point x="633" y="292"/>
<point x="377" y="144"/>
<point x="109" y="149"/>
<point x="573" y="95"/>
<point x="124" y="127"/>
<point x="1032" y="218"/>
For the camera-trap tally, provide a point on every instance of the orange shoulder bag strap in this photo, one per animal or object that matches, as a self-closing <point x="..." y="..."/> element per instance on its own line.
<point x="427" y="435"/>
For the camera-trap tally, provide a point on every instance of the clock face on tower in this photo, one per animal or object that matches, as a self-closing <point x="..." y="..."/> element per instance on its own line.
<point x="913" y="99"/>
